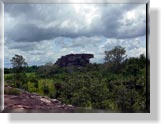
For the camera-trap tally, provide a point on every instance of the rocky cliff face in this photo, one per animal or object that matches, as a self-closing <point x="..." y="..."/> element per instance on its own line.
<point x="74" y="60"/>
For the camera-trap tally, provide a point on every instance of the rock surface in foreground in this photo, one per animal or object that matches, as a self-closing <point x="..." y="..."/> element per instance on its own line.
<point x="28" y="102"/>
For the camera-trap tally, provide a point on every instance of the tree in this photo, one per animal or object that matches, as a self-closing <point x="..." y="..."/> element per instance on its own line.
<point x="19" y="64"/>
<point x="47" y="70"/>
<point x="142" y="61"/>
<point x="115" y="57"/>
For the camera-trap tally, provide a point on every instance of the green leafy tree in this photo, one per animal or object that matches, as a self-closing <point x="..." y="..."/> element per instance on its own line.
<point x="19" y="64"/>
<point x="115" y="57"/>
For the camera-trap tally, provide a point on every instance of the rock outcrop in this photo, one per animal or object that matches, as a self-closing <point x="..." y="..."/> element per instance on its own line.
<point x="74" y="60"/>
<point x="31" y="102"/>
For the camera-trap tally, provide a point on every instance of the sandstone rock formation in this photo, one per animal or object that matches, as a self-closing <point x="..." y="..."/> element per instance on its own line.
<point x="31" y="102"/>
<point x="74" y="60"/>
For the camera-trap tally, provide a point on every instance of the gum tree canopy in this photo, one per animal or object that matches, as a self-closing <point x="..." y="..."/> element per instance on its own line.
<point x="18" y="63"/>
<point x="116" y="55"/>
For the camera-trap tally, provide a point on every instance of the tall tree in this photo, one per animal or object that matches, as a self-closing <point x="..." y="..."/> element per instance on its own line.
<point x="19" y="64"/>
<point x="115" y="57"/>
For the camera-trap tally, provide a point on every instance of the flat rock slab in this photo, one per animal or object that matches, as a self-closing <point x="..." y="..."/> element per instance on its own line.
<point x="28" y="102"/>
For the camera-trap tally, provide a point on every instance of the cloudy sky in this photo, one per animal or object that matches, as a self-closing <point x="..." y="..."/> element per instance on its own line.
<point x="44" y="32"/>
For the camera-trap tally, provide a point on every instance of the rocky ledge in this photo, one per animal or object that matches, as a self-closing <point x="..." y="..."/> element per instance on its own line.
<point x="30" y="102"/>
<point x="74" y="60"/>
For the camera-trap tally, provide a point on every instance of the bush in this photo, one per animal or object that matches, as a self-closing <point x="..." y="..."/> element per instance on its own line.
<point x="84" y="90"/>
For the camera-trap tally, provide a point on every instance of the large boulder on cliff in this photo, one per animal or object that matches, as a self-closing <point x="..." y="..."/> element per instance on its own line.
<point x="74" y="60"/>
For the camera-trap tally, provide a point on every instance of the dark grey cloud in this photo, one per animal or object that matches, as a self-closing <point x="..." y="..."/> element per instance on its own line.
<point x="23" y="46"/>
<point x="33" y="22"/>
<point x="114" y="27"/>
<point x="30" y="33"/>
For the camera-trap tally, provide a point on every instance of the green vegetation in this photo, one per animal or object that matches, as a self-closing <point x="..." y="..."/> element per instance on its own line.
<point x="118" y="85"/>
<point x="11" y="91"/>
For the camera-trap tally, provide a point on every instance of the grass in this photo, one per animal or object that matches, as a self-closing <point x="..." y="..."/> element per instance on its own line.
<point x="49" y="83"/>
<point x="11" y="74"/>
<point x="37" y="86"/>
<point x="12" y="91"/>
